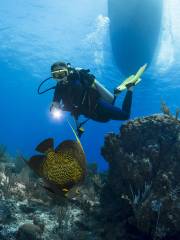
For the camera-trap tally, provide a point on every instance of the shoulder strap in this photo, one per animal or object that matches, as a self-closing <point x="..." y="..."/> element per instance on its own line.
<point x="86" y="78"/>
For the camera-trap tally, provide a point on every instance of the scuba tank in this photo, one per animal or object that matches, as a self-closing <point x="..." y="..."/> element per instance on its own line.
<point x="104" y="93"/>
<point x="91" y="81"/>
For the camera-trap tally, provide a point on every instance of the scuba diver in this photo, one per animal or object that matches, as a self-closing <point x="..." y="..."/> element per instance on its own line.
<point x="78" y="92"/>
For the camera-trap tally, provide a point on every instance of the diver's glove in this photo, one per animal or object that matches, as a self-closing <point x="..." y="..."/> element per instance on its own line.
<point x="55" y="106"/>
<point x="56" y="110"/>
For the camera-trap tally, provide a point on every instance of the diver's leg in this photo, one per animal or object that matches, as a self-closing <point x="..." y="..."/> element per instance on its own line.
<point x="107" y="110"/>
<point x="126" y="106"/>
<point x="115" y="97"/>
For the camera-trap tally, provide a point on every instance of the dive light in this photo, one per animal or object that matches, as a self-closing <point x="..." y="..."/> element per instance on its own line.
<point x="56" y="113"/>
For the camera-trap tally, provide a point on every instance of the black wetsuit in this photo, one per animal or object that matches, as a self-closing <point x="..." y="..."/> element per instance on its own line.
<point x="79" y="98"/>
<point x="106" y="111"/>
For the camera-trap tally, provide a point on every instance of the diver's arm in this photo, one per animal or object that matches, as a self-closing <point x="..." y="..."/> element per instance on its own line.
<point x="56" y="98"/>
<point x="57" y="93"/>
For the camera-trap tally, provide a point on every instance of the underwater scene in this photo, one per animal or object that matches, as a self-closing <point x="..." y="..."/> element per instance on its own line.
<point x="90" y="120"/>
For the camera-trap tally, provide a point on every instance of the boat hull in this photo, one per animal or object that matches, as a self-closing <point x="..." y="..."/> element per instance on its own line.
<point x="134" y="32"/>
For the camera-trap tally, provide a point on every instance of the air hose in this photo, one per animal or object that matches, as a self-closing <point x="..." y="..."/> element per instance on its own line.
<point x="46" y="90"/>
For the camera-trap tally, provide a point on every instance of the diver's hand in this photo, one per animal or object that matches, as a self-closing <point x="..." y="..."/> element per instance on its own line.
<point x="54" y="105"/>
<point x="56" y="110"/>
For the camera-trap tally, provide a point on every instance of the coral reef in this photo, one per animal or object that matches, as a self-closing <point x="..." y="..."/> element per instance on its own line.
<point x="28" y="211"/>
<point x="165" y="109"/>
<point x="137" y="198"/>
<point x="143" y="179"/>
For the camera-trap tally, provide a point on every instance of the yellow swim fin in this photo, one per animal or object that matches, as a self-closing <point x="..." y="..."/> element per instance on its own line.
<point x="133" y="79"/>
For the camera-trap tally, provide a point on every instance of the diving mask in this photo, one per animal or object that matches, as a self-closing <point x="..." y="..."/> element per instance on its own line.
<point x="60" y="73"/>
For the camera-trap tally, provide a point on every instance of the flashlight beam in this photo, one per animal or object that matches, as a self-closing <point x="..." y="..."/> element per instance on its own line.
<point x="56" y="113"/>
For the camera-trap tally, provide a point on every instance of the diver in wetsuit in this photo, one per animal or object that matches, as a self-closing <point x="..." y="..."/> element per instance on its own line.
<point x="78" y="92"/>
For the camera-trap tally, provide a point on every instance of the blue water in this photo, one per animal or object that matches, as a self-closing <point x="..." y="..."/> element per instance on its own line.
<point x="34" y="34"/>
